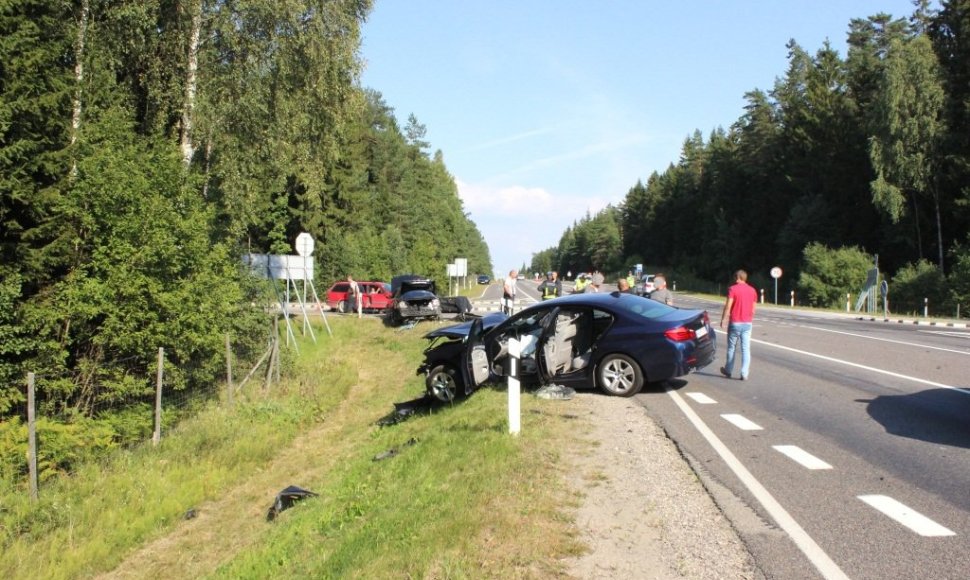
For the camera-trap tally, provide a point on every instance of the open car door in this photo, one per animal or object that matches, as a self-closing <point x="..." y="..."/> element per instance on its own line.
<point x="474" y="358"/>
<point x="545" y="350"/>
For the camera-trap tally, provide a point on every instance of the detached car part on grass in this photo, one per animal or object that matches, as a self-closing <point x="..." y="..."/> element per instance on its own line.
<point x="615" y="342"/>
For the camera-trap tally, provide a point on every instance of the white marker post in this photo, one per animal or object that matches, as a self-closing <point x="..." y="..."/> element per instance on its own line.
<point x="515" y="410"/>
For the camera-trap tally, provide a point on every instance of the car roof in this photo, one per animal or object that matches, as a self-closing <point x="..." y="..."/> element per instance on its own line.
<point x="620" y="303"/>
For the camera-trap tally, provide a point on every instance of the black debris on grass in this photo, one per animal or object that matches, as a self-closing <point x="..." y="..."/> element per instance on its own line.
<point x="285" y="500"/>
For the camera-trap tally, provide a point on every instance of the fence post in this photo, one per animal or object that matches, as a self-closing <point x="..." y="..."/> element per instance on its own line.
<point x="274" y="345"/>
<point x="31" y="438"/>
<point x="793" y="298"/>
<point x="926" y="307"/>
<point x="157" y="435"/>
<point x="848" y="298"/>
<point x="229" y="368"/>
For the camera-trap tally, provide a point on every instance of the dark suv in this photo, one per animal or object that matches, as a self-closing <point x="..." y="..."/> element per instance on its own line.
<point x="414" y="298"/>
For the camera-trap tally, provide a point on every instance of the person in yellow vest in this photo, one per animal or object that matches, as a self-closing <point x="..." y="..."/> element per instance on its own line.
<point x="630" y="279"/>
<point x="551" y="287"/>
<point x="580" y="284"/>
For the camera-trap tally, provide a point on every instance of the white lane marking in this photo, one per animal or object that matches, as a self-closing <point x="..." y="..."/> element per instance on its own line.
<point x="864" y="367"/>
<point x="802" y="457"/>
<point x="822" y="562"/>
<point x="907" y="516"/>
<point x="701" y="398"/>
<point x="902" y="342"/>
<point x="956" y="333"/>
<point x="741" y="422"/>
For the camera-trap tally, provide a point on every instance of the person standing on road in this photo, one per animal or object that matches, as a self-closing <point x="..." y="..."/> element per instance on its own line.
<point x="594" y="283"/>
<point x="551" y="287"/>
<point x="508" y="292"/>
<point x="739" y="313"/>
<point x="660" y="293"/>
<point x="353" y="293"/>
<point x="580" y="284"/>
<point x="623" y="286"/>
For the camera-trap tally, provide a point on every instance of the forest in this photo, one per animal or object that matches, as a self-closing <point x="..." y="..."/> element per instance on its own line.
<point x="145" y="148"/>
<point x="846" y="162"/>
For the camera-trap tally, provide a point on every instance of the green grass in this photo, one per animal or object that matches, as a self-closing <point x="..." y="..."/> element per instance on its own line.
<point x="461" y="498"/>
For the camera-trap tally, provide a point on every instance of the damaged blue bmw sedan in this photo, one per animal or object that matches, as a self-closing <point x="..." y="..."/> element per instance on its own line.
<point x="616" y="342"/>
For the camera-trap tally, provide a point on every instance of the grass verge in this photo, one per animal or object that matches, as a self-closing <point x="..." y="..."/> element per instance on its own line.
<point x="458" y="498"/>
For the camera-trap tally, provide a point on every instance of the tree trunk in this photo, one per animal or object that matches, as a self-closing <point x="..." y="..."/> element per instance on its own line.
<point x="191" y="80"/>
<point x="919" y="233"/>
<point x="82" y="27"/>
<point x="939" y="227"/>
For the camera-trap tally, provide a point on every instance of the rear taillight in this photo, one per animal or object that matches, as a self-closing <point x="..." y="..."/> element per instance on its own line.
<point x="680" y="334"/>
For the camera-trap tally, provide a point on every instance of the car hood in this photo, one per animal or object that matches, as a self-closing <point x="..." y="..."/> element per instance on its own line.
<point x="408" y="282"/>
<point x="461" y="330"/>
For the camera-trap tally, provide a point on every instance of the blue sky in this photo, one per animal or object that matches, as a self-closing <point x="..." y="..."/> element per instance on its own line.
<point x="545" y="110"/>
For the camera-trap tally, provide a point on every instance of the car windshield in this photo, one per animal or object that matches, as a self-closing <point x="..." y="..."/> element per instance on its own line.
<point x="644" y="307"/>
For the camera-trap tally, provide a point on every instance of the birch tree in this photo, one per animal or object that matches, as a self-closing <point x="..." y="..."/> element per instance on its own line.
<point x="909" y="127"/>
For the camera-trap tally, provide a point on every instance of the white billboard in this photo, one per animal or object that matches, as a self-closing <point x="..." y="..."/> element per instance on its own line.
<point x="280" y="267"/>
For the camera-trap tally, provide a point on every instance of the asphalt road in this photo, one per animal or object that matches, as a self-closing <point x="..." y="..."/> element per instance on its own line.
<point x="845" y="454"/>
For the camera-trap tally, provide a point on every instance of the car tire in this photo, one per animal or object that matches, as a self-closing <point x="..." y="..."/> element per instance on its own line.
<point x="619" y="375"/>
<point x="342" y="307"/>
<point x="444" y="383"/>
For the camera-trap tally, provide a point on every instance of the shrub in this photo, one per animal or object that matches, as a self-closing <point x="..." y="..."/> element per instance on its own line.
<point x="60" y="446"/>
<point x="827" y="275"/>
<point x="915" y="282"/>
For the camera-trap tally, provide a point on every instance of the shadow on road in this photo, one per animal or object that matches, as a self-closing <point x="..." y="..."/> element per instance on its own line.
<point x="934" y="415"/>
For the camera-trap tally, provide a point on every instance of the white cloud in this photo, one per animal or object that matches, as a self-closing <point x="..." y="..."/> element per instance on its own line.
<point x="517" y="221"/>
<point x="511" y="201"/>
<point x="508" y="140"/>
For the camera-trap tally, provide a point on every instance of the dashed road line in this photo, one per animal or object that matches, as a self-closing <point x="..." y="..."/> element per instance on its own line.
<point x="701" y="399"/>
<point x="802" y="457"/>
<point x="741" y="422"/>
<point x="822" y="562"/>
<point x="906" y="516"/>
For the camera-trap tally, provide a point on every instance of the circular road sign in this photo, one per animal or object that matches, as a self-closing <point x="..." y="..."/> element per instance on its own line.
<point x="304" y="244"/>
<point x="776" y="272"/>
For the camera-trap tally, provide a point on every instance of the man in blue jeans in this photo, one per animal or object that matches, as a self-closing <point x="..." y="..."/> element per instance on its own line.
<point x="739" y="313"/>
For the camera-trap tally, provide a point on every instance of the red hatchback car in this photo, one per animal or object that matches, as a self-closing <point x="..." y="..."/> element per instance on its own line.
<point x="376" y="296"/>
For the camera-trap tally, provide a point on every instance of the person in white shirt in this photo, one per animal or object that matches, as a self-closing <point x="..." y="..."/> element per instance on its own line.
<point x="508" y="292"/>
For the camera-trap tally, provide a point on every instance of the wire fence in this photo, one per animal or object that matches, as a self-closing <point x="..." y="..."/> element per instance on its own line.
<point x="166" y="400"/>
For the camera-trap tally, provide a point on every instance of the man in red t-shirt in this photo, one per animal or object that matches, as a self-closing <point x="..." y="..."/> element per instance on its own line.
<point x="739" y="313"/>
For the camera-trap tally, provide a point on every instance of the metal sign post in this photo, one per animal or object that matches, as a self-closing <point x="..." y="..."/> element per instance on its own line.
<point x="884" y="290"/>
<point x="776" y="273"/>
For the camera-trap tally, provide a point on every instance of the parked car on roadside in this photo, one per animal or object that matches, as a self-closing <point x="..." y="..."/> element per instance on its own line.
<point x="374" y="295"/>
<point x="413" y="298"/>
<point x="614" y="341"/>
<point x="644" y="285"/>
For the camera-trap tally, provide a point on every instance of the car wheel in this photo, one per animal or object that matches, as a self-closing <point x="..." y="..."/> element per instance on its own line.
<point x="342" y="307"/>
<point x="445" y="384"/>
<point x="619" y="375"/>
